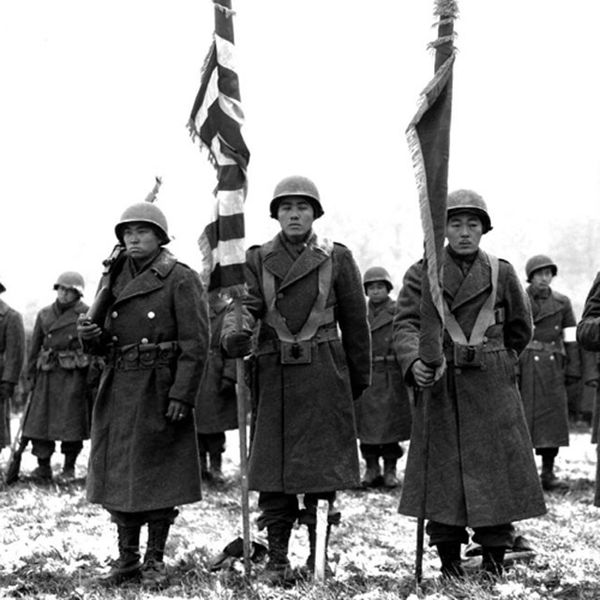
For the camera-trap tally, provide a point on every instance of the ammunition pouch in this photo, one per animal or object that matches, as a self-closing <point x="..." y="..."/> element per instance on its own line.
<point x="296" y="353"/>
<point x="46" y="360"/>
<point x="142" y="356"/>
<point x="465" y="356"/>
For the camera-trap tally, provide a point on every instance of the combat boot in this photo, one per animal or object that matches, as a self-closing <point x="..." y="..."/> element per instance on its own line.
<point x="154" y="571"/>
<point x="389" y="473"/>
<point x="216" y="474"/>
<point x="492" y="560"/>
<point x="278" y="571"/>
<point x="204" y="472"/>
<point x="372" y="476"/>
<point x="43" y="472"/>
<point x="67" y="474"/>
<point x="127" y="566"/>
<point x="550" y="482"/>
<point x="449" y="553"/>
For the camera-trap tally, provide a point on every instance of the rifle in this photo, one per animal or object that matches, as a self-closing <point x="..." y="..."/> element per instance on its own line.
<point x="104" y="297"/>
<point x="18" y="447"/>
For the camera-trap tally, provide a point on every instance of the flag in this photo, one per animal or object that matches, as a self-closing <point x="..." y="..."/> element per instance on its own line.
<point x="428" y="137"/>
<point x="215" y="122"/>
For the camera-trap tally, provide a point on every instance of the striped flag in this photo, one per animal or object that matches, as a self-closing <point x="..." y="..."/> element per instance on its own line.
<point x="216" y="121"/>
<point x="428" y="137"/>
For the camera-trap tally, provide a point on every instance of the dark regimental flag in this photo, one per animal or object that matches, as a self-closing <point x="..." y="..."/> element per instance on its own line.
<point x="429" y="142"/>
<point x="216" y="121"/>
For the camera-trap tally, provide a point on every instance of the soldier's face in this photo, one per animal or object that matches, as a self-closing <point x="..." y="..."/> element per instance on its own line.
<point x="377" y="292"/>
<point x="66" y="295"/>
<point x="296" y="216"/>
<point x="542" y="278"/>
<point x="141" y="240"/>
<point x="464" y="231"/>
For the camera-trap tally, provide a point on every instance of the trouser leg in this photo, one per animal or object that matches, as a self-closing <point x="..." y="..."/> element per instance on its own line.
<point x="494" y="541"/>
<point x="372" y="476"/>
<point x="43" y="450"/>
<point x="447" y="539"/>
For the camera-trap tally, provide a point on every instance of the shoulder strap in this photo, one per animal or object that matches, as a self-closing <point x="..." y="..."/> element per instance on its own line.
<point x="319" y="315"/>
<point x="485" y="318"/>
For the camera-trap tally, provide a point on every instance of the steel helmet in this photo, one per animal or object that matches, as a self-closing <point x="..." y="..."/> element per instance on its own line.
<point x="2" y="288"/>
<point x="144" y="212"/>
<point x="70" y="280"/>
<point x="469" y="201"/>
<point x="296" y="185"/>
<point x="377" y="274"/>
<point x="537" y="262"/>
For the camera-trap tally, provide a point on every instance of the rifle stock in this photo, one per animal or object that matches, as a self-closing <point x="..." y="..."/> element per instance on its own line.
<point x="104" y="297"/>
<point x="18" y="447"/>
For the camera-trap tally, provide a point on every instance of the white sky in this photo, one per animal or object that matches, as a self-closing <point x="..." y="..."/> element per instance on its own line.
<point x="96" y="95"/>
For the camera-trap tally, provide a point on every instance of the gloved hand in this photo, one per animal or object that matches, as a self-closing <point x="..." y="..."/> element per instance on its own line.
<point x="238" y="344"/>
<point x="6" y="390"/>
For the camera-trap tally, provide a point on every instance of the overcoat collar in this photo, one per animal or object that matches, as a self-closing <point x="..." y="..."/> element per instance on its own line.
<point x="278" y="261"/>
<point x="65" y="318"/>
<point x="383" y="317"/>
<point x="545" y="308"/>
<point x="459" y="290"/>
<point x="4" y="308"/>
<point x="151" y="278"/>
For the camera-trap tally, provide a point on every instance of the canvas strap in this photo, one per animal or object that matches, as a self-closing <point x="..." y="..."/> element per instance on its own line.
<point x="485" y="318"/>
<point x="319" y="315"/>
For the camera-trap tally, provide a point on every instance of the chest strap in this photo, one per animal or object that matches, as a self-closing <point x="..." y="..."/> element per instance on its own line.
<point x="485" y="318"/>
<point x="319" y="315"/>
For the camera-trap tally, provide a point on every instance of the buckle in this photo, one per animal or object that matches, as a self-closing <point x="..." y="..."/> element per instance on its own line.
<point x="296" y="353"/>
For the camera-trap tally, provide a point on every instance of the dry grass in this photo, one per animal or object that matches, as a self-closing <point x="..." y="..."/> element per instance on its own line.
<point x="54" y="544"/>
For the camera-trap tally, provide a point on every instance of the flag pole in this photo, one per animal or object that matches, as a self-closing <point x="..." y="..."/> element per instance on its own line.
<point x="429" y="141"/>
<point x="242" y="411"/>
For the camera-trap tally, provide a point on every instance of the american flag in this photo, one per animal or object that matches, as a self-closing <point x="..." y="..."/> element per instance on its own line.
<point x="428" y="137"/>
<point x="216" y="121"/>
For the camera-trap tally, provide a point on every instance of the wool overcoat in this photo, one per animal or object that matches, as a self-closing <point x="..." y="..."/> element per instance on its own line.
<point x="216" y="402"/>
<point x="58" y="367"/>
<point x="542" y="371"/>
<point x="304" y="429"/>
<point x="588" y="335"/>
<point x="383" y="410"/>
<point x="470" y="461"/>
<point x="139" y="460"/>
<point x="12" y="356"/>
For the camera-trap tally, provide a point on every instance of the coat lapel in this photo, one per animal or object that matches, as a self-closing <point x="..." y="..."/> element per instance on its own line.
<point x="66" y="318"/>
<point x="151" y="279"/>
<point x="462" y="290"/>
<point x="546" y="308"/>
<point x="383" y="318"/>
<point x="281" y="264"/>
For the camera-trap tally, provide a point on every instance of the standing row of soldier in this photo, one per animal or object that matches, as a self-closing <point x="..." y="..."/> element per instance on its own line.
<point x="322" y="361"/>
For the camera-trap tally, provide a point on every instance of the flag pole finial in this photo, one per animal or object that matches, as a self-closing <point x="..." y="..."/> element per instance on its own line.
<point x="151" y="197"/>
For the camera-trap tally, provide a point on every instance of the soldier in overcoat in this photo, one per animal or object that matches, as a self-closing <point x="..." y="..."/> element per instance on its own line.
<point x="542" y="366"/>
<point x="588" y="336"/>
<point x="383" y="410"/>
<point x="57" y="370"/>
<point x="470" y="462"/>
<point x="155" y="336"/>
<point x="216" y="402"/>
<point x="303" y="292"/>
<point x="12" y="356"/>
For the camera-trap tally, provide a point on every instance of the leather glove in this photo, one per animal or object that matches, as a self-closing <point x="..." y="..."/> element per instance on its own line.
<point x="6" y="390"/>
<point x="238" y="344"/>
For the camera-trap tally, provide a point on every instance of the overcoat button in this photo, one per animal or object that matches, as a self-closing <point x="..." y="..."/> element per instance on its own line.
<point x="151" y="315"/>
<point x="115" y="338"/>
<point x="144" y="340"/>
<point x="114" y="314"/>
<point x="536" y="357"/>
<point x="281" y="295"/>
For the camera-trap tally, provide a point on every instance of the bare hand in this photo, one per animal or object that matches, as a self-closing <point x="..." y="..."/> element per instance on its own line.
<point x="87" y="330"/>
<point x="423" y="375"/>
<point x="177" y="411"/>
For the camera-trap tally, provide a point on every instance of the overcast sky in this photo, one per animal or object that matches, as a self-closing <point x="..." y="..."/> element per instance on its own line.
<point x="96" y="96"/>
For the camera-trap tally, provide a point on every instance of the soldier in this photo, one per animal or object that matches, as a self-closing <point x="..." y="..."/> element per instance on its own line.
<point x="542" y="367"/>
<point x="588" y="336"/>
<point x="300" y="290"/>
<point x="470" y="462"/>
<point x="12" y="354"/>
<point x="143" y="458"/>
<point x="216" y="402"/>
<point x="383" y="410"/>
<point x="57" y="371"/>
